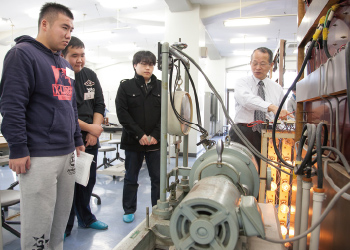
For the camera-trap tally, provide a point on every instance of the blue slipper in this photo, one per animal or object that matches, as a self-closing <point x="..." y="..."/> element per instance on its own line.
<point x="128" y="218"/>
<point x="99" y="225"/>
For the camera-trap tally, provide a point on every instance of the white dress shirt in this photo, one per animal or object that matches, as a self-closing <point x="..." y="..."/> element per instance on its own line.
<point x="247" y="99"/>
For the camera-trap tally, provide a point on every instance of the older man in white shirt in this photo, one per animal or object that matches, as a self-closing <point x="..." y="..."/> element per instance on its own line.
<point x="257" y="98"/>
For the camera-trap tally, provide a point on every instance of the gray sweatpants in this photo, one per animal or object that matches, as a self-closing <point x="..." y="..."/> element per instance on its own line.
<point x="47" y="191"/>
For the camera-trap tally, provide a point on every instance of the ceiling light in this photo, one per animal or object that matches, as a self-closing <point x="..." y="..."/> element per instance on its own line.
<point x="249" y="40"/>
<point x="242" y="52"/>
<point x="295" y="51"/>
<point x="246" y="21"/>
<point x="121" y="4"/>
<point x="148" y="29"/>
<point x="122" y="47"/>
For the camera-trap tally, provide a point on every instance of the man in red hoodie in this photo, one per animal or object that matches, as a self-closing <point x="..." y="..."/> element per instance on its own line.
<point x="40" y="124"/>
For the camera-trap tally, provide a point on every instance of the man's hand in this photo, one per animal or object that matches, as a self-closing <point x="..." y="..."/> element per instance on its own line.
<point x="91" y="140"/>
<point x="95" y="129"/>
<point x="20" y="165"/>
<point x="283" y="114"/>
<point x="144" y="140"/>
<point x="153" y="141"/>
<point x="80" y="148"/>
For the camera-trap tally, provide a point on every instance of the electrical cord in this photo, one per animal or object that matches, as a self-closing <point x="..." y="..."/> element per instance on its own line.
<point x="331" y="182"/>
<point x="319" y="151"/>
<point x="318" y="222"/>
<point x="179" y="117"/>
<point x="309" y="132"/>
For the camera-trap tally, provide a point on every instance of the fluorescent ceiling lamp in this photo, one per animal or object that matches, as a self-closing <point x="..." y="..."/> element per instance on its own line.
<point x="148" y="29"/>
<point x="122" y="47"/>
<point x="246" y="21"/>
<point x="242" y="52"/>
<point x="121" y="4"/>
<point x="249" y="40"/>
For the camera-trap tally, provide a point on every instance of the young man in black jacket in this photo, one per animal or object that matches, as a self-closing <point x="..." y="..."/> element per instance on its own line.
<point x="138" y="105"/>
<point x="91" y="107"/>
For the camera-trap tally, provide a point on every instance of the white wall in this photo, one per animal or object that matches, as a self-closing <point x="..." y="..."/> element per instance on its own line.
<point x="110" y="78"/>
<point x="3" y="51"/>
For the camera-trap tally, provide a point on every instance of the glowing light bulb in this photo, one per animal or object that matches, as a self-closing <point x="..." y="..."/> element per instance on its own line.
<point x="284" y="209"/>
<point x="294" y="188"/>
<point x="285" y="187"/>
<point x="284" y="230"/>
<point x="273" y="186"/>
<point x="292" y="209"/>
<point x="291" y="231"/>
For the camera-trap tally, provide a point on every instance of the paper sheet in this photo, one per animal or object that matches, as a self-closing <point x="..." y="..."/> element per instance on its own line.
<point x="82" y="167"/>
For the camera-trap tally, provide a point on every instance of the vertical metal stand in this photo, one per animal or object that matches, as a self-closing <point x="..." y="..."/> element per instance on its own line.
<point x="1" y="231"/>
<point x="298" y="211"/>
<point x="307" y="184"/>
<point x="185" y="145"/>
<point x="318" y="198"/>
<point x="162" y="208"/>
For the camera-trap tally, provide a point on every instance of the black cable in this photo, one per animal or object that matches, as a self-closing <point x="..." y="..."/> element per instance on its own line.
<point x="196" y="99"/>
<point x="325" y="47"/>
<point x="171" y="97"/>
<point x="320" y="151"/>
<point x="293" y="86"/>
<point x="309" y="131"/>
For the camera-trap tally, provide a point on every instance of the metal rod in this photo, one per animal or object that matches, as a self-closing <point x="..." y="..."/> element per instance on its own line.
<point x="0" y="231"/>
<point x="147" y="217"/>
<point x="164" y="122"/>
<point x="185" y="145"/>
<point x="318" y="198"/>
<point x="307" y="184"/>
<point x="297" y="211"/>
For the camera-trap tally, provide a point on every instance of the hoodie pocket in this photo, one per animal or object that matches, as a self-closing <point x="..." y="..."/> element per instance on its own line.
<point x="62" y="128"/>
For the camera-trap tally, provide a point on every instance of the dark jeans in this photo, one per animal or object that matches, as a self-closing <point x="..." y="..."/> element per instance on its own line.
<point x="81" y="201"/>
<point x="133" y="164"/>
<point x="253" y="137"/>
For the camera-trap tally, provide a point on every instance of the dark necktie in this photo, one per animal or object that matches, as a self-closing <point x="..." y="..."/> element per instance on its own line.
<point x="260" y="115"/>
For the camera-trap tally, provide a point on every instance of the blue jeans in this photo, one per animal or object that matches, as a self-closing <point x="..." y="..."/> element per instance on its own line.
<point x="81" y="201"/>
<point x="133" y="164"/>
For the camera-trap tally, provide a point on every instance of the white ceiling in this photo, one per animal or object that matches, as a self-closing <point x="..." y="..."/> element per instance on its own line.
<point x="91" y="18"/>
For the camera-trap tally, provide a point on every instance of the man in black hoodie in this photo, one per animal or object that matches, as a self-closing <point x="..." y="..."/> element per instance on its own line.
<point x="91" y="107"/>
<point x="138" y="105"/>
<point x="40" y="124"/>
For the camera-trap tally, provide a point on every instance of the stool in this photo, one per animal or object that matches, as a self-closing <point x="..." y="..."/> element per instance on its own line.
<point x="9" y="198"/>
<point x="105" y="162"/>
<point x="117" y="156"/>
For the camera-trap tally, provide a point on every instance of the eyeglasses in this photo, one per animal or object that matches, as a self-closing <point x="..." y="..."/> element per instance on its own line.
<point x="145" y="64"/>
<point x="262" y="64"/>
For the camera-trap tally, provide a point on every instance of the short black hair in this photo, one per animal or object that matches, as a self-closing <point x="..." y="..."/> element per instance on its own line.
<point x="50" y="12"/>
<point x="74" y="42"/>
<point x="264" y="50"/>
<point x="144" y="56"/>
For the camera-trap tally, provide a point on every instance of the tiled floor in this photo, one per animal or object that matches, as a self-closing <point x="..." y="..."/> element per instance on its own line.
<point x="110" y="211"/>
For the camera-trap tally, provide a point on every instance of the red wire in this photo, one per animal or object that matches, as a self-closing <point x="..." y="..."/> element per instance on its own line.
<point x="254" y="123"/>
